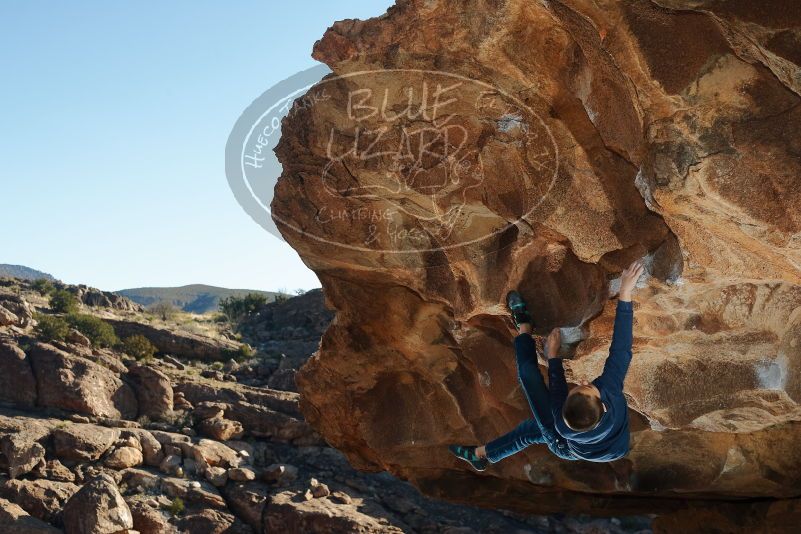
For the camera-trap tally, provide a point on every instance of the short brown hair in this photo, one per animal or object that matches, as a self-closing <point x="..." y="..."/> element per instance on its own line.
<point x="582" y="412"/>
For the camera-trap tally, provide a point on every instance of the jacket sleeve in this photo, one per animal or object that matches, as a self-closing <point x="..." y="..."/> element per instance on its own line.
<point x="617" y="364"/>
<point x="557" y="387"/>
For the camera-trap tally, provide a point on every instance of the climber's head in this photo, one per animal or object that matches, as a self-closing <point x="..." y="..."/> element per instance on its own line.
<point x="583" y="408"/>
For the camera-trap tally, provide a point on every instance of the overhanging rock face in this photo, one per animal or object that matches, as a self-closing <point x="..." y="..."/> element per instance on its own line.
<point x="465" y="148"/>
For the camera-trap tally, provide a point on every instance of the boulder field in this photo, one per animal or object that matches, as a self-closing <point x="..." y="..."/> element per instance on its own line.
<point x="94" y="441"/>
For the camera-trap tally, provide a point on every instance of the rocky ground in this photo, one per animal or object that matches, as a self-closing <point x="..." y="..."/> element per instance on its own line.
<point x="94" y="441"/>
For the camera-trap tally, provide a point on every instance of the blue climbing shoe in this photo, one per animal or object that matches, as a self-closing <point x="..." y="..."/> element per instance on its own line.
<point x="517" y="307"/>
<point x="468" y="454"/>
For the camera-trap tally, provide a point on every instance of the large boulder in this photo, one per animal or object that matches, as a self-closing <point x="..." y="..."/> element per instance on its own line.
<point x="153" y="391"/>
<point x="214" y="453"/>
<point x="178" y="342"/>
<point x="72" y="383"/>
<point x="43" y="499"/>
<point x="16" y="311"/>
<point x="98" y="508"/>
<point x="15" y="520"/>
<point x="7" y="318"/>
<point x="149" y="520"/>
<point x="83" y="442"/>
<point x="543" y="146"/>
<point x="247" y="501"/>
<point x="104" y="299"/>
<point x="212" y="522"/>
<point x="286" y="512"/>
<point x="17" y="383"/>
<point x="22" y="442"/>
<point x="261" y="421"/>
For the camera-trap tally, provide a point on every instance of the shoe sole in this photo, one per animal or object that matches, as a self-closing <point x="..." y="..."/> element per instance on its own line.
<point x="469" y="462"/>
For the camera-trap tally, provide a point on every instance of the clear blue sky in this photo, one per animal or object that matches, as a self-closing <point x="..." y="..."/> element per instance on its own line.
<point x="114" y="122"/>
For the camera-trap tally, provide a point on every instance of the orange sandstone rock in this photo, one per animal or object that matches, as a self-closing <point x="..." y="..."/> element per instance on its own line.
<point x="543" y="146"/>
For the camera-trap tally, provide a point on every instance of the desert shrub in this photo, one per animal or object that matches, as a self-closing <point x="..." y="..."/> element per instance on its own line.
<point x="139" y="347"/>
<point x="281" y="297"/>
<point x="244" y="352"/>
<point x="62" y="301"/>
<point x="43" y="286"/>
<point x="176" y="507"/>
<point x="51" y="328"/>
<point x="144" y="421"/>
<point x="235" y="309"/>
<point x="217" y="366"/>
<point x="99" y="332"/>
<point x="164" y="310"/>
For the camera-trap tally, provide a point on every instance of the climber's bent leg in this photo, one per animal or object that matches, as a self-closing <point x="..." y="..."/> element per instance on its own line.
<point x="525" y="434"/>
<point x="533" y="383"/>
<point x="528" y="372"/>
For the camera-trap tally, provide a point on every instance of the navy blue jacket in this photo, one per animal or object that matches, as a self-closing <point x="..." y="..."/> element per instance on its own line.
<point x="610" y="439"/>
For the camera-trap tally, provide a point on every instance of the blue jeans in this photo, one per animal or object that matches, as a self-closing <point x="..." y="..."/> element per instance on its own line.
<point x="540" y="429"/>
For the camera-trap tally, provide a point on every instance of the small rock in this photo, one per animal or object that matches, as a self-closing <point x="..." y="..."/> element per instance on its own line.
<point x="77" y="418"/>
<point x="123" y="458"/>
<point x="129" y="440"/>
<point x="170" y="464"/>
<point x="172" y="361"/>
<point x="241" y="474"/>
<point x="78" y="339"/>
<point x="341" y="497"/>
<point x="318" y="489"/>
<point x="217" y="476"/>
<point x="180" y="402"/>
<point x="221" y="429"/>
<point x="212" y="374"/>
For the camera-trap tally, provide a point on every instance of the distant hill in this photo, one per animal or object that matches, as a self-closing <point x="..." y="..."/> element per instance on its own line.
<point x="195" y="298"/>
<point x="20" y="271"/>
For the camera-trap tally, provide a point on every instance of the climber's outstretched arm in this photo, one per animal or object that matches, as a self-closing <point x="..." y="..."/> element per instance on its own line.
<point x="617" y="364"/>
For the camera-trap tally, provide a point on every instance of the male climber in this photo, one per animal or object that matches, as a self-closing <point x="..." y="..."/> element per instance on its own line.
<point x="588" y="423"/>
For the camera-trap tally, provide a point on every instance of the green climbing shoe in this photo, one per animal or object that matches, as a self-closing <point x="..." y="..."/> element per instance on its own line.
<point x="468" y="454"/>
<point x="517" y="306"/>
